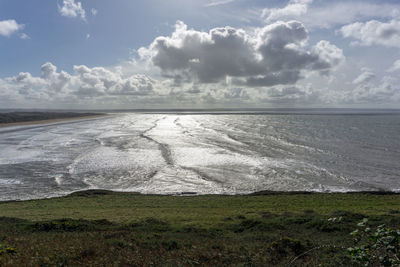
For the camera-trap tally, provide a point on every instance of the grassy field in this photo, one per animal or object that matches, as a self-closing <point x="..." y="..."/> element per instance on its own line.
<point x="97" y="228"/>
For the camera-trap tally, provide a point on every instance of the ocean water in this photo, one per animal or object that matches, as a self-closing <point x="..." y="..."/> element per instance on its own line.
<point x="202" y="154"/>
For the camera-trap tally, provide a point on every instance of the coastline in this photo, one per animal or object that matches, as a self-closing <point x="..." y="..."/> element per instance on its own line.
<point x="96" y="194"/>
<point x="36" y="122"/>
<point x="100" y="192"/>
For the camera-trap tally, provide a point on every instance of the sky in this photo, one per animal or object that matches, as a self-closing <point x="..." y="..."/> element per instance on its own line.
<point x="121" y="54"/>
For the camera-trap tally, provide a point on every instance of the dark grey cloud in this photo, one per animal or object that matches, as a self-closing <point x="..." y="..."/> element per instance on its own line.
<point x="274" y="54"/>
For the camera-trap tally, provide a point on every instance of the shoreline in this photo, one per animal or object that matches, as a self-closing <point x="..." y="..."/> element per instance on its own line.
<point x="36" y="122"/>
<point x="93" y="203"/>
<point x="104" y="192"/>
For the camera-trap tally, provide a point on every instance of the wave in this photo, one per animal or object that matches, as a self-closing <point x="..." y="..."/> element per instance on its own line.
<point x="205" y="154"/>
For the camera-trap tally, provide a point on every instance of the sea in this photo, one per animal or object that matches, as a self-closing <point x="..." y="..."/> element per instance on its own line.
<point x="202" y="152"/>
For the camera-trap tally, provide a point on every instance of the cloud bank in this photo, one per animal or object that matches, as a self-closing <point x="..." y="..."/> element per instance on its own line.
<point x="84" y="85"/>
<point x="224" y="67"/>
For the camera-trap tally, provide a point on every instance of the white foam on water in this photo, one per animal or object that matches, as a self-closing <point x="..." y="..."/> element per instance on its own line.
<point x="107" y="158"/>
<point x="198" y="156"/>
<point x="58" y="178"/>
<point x="167" y="132"/>
<point x="16" y="155"/>
<point x="175" y="180"/>
<point x="5" y="181"/>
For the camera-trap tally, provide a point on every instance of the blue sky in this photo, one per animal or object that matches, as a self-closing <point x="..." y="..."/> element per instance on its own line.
<point x="192" y="53"/>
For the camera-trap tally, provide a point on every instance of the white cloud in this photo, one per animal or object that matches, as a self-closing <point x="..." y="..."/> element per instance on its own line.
<point x="72" y="9"/>
<point x="24" y="36"/>
<point x="395" y="67"/>
<point x="274" y="54"/>
<point x="385" y="91"/>
<point x="365" y="77"/>
<point x="94" y="11"/>
<point x="101" y="87"/>
<point x="329" y="54"/>
<point x="218" y="3"/>
<point x="292" y="95"/>
<point x="50" y="82"/>
<point x="101" y="81"/>
<point x="7" y="95"/>
<point x="8" y="27"/>
<point x="236" y="93"/>
<point x="368" y="89"/>
<point x="87" y="85"/>
<point x="373" y="32"/>
<point x="331" y="14"/>
<point x="294" y="9"/>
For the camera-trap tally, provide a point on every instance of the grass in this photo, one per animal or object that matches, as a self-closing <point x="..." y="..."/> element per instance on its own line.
<point x="115" y="229"/>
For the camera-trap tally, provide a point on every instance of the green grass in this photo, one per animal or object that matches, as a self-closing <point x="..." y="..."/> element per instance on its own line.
<point x="105" y="228"/>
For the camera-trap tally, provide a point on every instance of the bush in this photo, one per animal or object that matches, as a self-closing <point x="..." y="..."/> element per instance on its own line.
<point x="378" y="247"/>
<point x="5" y="249"/>
<point x="150" y="225"/>
<point x="70" y="225"/>
<point x="285" y="246"/>
<point x="171" y="245"/>
<point x="323" y="225"/>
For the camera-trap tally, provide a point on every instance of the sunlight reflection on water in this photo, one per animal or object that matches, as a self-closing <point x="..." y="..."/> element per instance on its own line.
<point x="206" y="154"/>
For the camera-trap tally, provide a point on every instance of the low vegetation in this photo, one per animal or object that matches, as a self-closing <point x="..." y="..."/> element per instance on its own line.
<point x="97" y="228"/>
<point x="13" y="117"/>
<point x="380" y="246"/>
